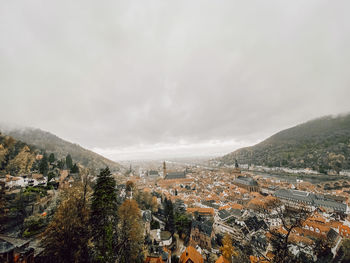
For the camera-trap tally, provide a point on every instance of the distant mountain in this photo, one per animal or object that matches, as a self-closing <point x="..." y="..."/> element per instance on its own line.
<point x="53" y="144"/>
<point x="321" y="144"/>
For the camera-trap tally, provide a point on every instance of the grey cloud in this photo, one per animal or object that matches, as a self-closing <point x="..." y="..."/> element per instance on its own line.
<point x="116" y="74"/>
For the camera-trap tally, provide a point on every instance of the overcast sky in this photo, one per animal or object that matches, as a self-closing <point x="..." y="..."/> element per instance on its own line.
<point x="159" y="79"/>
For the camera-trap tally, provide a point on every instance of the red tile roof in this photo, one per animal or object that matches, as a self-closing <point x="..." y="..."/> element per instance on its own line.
<point x="191" y="254"/>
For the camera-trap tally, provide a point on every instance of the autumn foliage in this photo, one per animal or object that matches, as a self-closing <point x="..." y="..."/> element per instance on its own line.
<point x="227" y="249"/>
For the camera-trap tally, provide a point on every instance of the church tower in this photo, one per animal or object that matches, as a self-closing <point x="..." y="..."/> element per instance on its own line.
<point x="164" y="169"/>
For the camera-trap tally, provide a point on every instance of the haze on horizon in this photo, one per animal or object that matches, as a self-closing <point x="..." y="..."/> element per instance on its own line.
<point x="161" y="79"/>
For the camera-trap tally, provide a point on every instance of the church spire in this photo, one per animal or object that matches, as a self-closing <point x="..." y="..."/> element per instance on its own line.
<point x="164" y="169"/>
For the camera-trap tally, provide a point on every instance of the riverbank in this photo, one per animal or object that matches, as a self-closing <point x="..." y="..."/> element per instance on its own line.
<point x="292" y="178"/>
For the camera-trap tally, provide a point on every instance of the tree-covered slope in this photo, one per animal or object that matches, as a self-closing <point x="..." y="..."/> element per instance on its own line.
<point x="51" y="143"/>
<point x="16" y="157"/>
<point x="321" y="144"/>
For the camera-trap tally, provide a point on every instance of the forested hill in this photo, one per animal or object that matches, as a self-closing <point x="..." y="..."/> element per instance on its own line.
<point x="51" y="143"/>
<point x="15" y="156"/>
<point x="322" y="144"/>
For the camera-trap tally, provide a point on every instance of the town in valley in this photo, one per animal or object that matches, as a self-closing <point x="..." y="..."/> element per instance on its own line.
<point x="187" y="131"/>
<point x="193" y="210"/>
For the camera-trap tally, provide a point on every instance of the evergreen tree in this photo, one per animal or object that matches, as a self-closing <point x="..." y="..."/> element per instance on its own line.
<point x="104" y="218"/>
<point x="170" y="220"/>
<point x="182" y="224"/>
<point x="69" y="161"/>
<point x="50" y="176"/>
<point x="44" y="167"/>
<point x="61" y="163"/>
<point x="74" y="169"/>
<point x="52" y="158"/>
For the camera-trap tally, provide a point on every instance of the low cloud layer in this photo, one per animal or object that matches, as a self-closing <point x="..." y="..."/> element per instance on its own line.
<point x="125" y="77"/>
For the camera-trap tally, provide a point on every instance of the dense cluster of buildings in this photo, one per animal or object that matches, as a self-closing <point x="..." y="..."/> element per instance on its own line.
<point x="218" y="202"/>
<point x="311" y="201"/>
<point x="235" y="203"/>
<point x="34" y="203"/>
